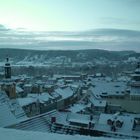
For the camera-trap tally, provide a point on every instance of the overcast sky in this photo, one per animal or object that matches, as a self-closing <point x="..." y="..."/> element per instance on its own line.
<point x="70" y="15"/>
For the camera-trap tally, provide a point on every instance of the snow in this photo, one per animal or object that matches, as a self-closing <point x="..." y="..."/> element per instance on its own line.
<point x="6" y="117"/>
<point x="33" y="98"/>
<point x="8" y="134"/>
<point x="135" y="90"/>
<point x="128" y="121"/>
<point x="18" y="89"/>
<point x="43" y="97"/>
<point x="10" y="110"/>
<point x="27" y="85"/>
<point x="26" y="101"/>
<point x="80" y="118"/>
<point x="65" y="93"/>
<point x="77" y="108"/>
<point x="99" y="103"/>
<point x="109" y="88"/>
<point x="126" y="129"/>
<point x="84" y="119"/>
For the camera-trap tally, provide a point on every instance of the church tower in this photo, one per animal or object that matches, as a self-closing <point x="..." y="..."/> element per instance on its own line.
<point x="7" y="69"/>
<point x="8" y="84"/>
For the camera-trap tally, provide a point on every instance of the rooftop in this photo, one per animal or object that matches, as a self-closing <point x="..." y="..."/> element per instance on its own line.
<point x="105" y="88"/>
<point x="126" y="129"/>
<point x="65" y="93"/>
<point x="10" y="111"/>
<point x="33" y="98"/>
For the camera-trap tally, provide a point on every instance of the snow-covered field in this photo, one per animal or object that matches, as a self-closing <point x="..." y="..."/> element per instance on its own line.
<point x="8" y="134"/>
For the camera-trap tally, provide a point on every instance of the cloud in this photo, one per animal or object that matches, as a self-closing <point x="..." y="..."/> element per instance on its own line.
<point x="3" y="28"/>
<point x="120" y="22"/>
<point x="115" y="39"/>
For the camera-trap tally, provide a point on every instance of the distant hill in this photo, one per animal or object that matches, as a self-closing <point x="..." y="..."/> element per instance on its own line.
<point x="75" y="55"/>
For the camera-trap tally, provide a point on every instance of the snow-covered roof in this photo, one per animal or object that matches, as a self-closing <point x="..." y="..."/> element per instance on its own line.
<point x="126" y="129"/>
<point x="74" y="85"/>
<point x="55" y="95"/>
<point x="18" y="89"/>
<point x="79" y="118"/>
<point x="33" y="98"/>
<point x="26" y="101"/>
<point x="123" y="78"/>
<point x="12" y="105"/>
<point x="77" y="108"/>
<point x="96" y="100"/>
<point x="135" y="91"/>
<point x="41" y="97"/>
<point x="98" y="103"/>
<point x="71" y="76"/>
<point x="105" y="88"/>
<point x="65" y="93"/>
<point x="28" y="85"/>
<point x="6" y="116"/>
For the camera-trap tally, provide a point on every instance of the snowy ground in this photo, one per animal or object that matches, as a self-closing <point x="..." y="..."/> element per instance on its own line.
<point x="8" y="134"/>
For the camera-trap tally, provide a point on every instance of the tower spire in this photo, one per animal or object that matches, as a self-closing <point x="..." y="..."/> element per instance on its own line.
<point x="7" y="69"/>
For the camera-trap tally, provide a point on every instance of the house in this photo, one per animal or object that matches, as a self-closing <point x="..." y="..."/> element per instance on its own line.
<point x="122" y="125"/>
<point x="35" y="104"/>
<point x="67" y="97"/>
<point x="20" y="92"/>
<point x="27" y="88"/>
<point x="97" y="104"/>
